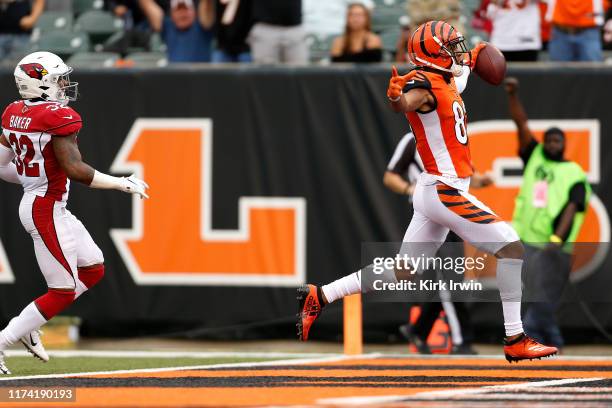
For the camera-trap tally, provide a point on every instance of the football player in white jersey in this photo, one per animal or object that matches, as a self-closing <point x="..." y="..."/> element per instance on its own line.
<point x="39" y="134"/>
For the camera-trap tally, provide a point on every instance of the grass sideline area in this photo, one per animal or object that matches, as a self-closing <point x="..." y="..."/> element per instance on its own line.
<point x="21" y="366"/>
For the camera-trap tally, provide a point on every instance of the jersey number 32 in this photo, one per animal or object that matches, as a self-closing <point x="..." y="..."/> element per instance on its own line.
<point x="24" y="153"/>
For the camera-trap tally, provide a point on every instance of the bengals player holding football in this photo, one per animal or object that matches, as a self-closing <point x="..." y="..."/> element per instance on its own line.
<point x="39" y="134"/>
<point x="430" y="98"/>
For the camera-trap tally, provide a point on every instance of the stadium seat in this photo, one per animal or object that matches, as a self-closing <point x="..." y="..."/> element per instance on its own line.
<point x="320" y="47"/>
<point x="386" y="18"/>
<point x="156" y="44"/>
<point x="148" y="59"/>
<point x="93" y="60"/>
<point x="63" y="43"/>
<point x="100" y="25"/>
<point x="389" y="39"/>
<point x="81" y="6"/>
<point x="54" y="20"/>
<point x="387" y="3"/>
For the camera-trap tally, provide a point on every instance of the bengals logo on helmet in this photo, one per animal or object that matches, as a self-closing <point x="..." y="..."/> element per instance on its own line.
<point x="34" y="70"/>
<point x="438" y="45"/>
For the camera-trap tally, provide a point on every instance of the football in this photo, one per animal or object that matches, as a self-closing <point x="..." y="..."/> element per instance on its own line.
<point x="491" y="65"/>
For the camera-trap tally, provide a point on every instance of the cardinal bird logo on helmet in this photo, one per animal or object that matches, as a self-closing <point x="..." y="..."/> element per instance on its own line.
<point x="34" y="70"/>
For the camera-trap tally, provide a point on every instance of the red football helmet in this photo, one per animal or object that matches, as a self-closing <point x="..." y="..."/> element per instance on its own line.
<point x="436" y="44"/>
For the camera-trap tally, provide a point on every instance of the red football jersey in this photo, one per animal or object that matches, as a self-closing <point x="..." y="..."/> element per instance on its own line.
<point x="29" y="128"/>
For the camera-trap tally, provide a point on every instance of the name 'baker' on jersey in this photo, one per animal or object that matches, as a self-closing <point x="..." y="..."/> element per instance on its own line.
<point x="38" y="149"/>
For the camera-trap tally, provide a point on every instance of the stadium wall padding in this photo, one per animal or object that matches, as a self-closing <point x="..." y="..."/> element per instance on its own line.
<point x="321" y="133"/>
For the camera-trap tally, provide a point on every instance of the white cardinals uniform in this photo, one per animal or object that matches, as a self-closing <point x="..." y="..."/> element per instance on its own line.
<point x="61" y="242"/>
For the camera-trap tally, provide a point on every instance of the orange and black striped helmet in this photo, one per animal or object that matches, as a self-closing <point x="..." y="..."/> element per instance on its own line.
<point x="436" y="44"/>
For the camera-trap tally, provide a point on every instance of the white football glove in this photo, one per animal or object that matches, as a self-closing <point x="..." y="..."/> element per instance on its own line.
<point x="134" y="185"/>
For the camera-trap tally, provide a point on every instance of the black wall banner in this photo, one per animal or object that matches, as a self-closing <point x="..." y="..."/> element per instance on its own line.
<point x="264" y="178"/>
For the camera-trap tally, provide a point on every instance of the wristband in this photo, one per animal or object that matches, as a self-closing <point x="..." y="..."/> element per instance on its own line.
<point x="556" y="239"/>
<point x="396" y="99"/>
<point x="104" y="181"/>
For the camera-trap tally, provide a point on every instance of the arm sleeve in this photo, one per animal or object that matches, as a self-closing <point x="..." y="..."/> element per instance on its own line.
<point x="462" y="80"/>
<point x="525" y="153"/>
<point x="577" y="196"/>
<point x="403" y="155"/>
<point x="64" y="121"/>
<point x="6" y="155"/>
<point x="9" y="173"/>
<point x="420" y="80"/>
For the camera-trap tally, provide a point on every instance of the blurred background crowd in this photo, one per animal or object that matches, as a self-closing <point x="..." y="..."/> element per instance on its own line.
<point x="114" y="33"/>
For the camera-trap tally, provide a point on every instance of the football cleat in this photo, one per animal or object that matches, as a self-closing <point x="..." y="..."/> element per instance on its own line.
<point x="310" y="300"/>
<point x="34" y="345"/>
<point x="3" y="368"/>
<point x="524" y="348"/>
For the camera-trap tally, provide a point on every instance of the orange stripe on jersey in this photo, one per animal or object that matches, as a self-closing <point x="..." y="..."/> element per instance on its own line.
<point x="463" y="207"/>
<point x="442" y="138"/>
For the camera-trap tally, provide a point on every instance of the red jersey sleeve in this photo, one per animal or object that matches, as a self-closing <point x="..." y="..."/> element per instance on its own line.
<point x="6" y="116"/>
<point x="62" y="120"/>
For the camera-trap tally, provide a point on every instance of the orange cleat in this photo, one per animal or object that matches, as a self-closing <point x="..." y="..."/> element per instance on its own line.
<point x="524" y="347"/>
<point x="310" y="301"/>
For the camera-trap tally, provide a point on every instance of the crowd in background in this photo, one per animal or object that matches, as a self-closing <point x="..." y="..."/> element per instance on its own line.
<point x="283" y="31"/>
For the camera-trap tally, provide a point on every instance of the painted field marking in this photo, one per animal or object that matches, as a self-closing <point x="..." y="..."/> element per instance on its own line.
<point x="195" y="367"/>
<point x="439" y="395"/>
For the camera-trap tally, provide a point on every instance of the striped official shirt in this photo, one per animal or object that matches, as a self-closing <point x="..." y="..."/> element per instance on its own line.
<point x="406" y="161"/>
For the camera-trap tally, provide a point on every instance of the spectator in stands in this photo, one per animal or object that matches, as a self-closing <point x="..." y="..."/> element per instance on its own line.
<point x="576" y="34"/>
<point x="136" y="33"/>
<point x="233" y="24"/>
<point x="278" y="35"/>
<point x="516" y="28"/>
<point x="358" y="43"/>
<point x="401" y="48"/>
<point x="422" y="11"/>
<point x="130" y="12"/>
<point x="186" y="32"/>
<point x="545" y="26"/>
<point x="17" y="18"/>
<point x="328" y="18"/>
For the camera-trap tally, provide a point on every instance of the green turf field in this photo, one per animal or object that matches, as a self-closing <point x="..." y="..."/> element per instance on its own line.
<point x="62" y="365"/>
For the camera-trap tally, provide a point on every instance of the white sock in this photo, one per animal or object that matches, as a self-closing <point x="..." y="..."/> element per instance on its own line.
<point x="352" y="284"/>
<point x="29" y="319"/>
<point x="348" y="285"/>
<point x="80" y="289"/>
<point x="509" y="284"/>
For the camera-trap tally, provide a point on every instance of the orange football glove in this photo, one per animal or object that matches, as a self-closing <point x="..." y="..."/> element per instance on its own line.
<point x="397" y="83"/>
<point x="474" y="54"/>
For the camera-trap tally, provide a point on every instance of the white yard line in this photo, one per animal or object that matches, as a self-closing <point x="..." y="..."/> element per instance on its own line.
<point x="213" y="354"/>
<point x="327" y="359"/>
<point x="167" y="354"/>
<point x="450" y="394"/>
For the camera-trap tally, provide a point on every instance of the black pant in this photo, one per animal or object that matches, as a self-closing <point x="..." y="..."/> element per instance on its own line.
<point x="516" y="56"/>
<point x="546" y="274"/>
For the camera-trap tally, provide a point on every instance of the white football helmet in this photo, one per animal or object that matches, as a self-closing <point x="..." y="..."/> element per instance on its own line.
<point x="44" y="75"/>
